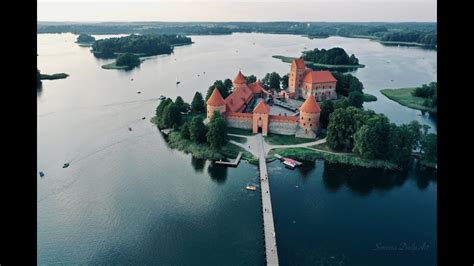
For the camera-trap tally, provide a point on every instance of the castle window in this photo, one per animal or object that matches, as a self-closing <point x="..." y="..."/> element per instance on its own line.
<point x="309" y="119"/>
<point x="304" y="124"/>
<point x="260" y="118"/>
<point x="310" y="125"/>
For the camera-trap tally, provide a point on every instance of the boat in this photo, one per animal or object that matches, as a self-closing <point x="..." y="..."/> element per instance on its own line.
<point x="251" y="187"/>
<point x="289" y="163"/>
<point x="143" y="118"/>
<point x="162" y="97"/>
<point x="138" y="92"/>
<point x="177" y="82"/>
<point x="129" y="129"/>
<point x="41" y="174"/>
<point x="66" y="165"/>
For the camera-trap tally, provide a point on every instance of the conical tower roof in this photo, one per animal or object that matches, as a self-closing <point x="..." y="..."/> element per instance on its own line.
<point x="239" y="79"/>
<point x="216" y="98"/>
<point x="310" y="105"/>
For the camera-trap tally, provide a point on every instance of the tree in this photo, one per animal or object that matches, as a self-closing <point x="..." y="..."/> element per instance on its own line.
<point x="372" y="140"/>
<point x="161" y="107"/>
<point x="128" y="59"/>
<point x="347" y="83"/>
<point x="401" y="144"/>
<point x="327" y="107"/>
<point x="185" y="131"/>
<point x="271" y="81"/>
<point x="343" y="123"/>
<point x="217" y="131"/>
<point x="197" y="105"/>
<point x="356" y="99"/>
<point x="341" y="103"/>
<point x="430" y="148"/>
<point x="284" y="81"/>
<point x="182" y="106"/>
<point x="251" y="79"/>
<point x="171" y="117"/>
<point x="197" y="130"/>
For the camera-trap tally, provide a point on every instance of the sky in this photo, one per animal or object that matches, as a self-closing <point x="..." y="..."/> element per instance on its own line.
<point x="241" y="10"/>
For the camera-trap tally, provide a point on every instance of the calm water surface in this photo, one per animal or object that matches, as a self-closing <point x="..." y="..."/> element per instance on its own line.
<point x="128" y="198"/>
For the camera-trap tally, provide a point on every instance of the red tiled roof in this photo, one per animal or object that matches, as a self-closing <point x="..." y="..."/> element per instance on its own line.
<point x="239" y="79"/>
<point x="261" y="108"/>
<point x="319" y="77"/>
<point x="216" y="98"/>
<point x="310" y="105"/>
<point x="256" y="87"/>
<point x="299" y="63"/>
<point x="238" y="98"/>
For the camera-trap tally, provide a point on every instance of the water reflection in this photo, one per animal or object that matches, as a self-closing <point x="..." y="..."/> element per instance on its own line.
<point x="217" y="172"/>
<point x="198" y="164"/>
<point x="308" y="168"/>
<point x="363" y="181"/>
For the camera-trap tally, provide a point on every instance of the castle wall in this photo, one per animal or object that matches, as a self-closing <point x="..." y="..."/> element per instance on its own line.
<point x="239" y="120"/>
<point x="283" y="125"/>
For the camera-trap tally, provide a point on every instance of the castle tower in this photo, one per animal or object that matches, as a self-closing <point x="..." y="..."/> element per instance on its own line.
<point x="309" y="114"/>
<point x="260" y="118"/>
<point x="296" y="76"/>
<point x="215" y="103"/>
<point x="239" y="79"/>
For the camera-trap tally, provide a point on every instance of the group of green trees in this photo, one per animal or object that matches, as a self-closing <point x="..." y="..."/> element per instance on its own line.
<point x="372" y="136"/>
<point x="169" y="115"/>
<point x="128" y="59"/>
<point x="147" y="45"/>
<point x="333" y="56"/>
<point x="224" y="87"/>
<point x="428" y="38"/>
<point x="347" y="83"/>
<point x="429" y="92"/>
<point x="85" y="38"/>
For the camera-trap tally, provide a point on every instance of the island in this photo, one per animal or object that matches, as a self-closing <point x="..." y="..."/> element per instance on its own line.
<point x="125" y="61"/>
<point x="141" y="45"/>
<point x="85" y="40"/>
<point x="312" y="118"/>
<point x="422" y="98"/>
<point x="40" y="77"/>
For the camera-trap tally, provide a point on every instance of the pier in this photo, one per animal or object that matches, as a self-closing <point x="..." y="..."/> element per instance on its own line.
<point x="271" y="253"/>
<point x="231" y="164"/>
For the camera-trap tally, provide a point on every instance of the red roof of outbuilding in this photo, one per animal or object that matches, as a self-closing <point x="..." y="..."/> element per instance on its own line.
<point x="310" y="105"/>
<point x="238" y="98"/>
<point x="299" y="63"/>
<point x="261" y="108"/>
<point x="239" y="79"/>
<point x="319" y="77"/>
<point x="216" y="98"/>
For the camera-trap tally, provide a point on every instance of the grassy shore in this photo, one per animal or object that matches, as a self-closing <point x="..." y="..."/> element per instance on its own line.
<point x="54" y="76"/>
<point x="288" y="59"/>
<point x="311" y="155"/>
<point x="404" y="97"/>
<point x="277" y="139"/>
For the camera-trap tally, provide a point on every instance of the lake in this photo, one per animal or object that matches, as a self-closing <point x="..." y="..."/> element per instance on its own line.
<point x="128" y="198"/>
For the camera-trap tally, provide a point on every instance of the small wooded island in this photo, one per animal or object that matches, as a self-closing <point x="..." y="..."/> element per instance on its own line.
<point x="333" y="59"/>
<point x="40" y="77"/>
<point x="85" y="40"/>
<point x="127" y="49"/>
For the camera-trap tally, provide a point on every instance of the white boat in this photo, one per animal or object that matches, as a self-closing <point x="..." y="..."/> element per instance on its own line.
<point x="251" y="187"/>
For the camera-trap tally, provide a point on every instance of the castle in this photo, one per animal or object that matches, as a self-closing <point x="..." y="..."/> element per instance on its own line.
<point x="303" y="82"/>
